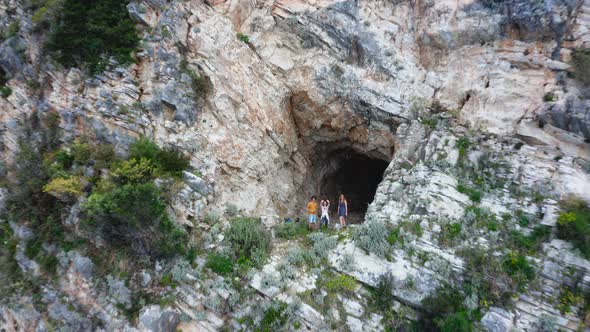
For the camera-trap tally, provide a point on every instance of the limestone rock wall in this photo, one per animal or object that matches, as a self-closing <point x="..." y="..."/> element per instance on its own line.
<point x="313" y="71"/>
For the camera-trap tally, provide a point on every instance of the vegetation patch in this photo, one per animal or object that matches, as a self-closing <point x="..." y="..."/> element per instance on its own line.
<point x="519" y="269"/>
<point x="532" y="242"/>
<point x="134" y="216"/>
<point x="474" y="194"/>
<point x="573" y="224"/>
<point x="291" y="230"/>
<point x="447" y="312"/>
<point x="220" y="264"/>
<point x="88" y="33"/>
<point x="581" y="63"/>
<point x="248" y="239"/>
<point x="341" y="284"/>
<point x="275" y="317"/>
<point x="372" y="237"/>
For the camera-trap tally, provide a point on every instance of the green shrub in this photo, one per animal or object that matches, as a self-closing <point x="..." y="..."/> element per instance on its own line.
<point x="573" y="224"/>
<point x="382" y="296"/>
<point x="49" y="263"/>
<point x="5" y="91"/>
<point x="445" y="302"/>
<point x="449" y="233"/>
<point x="291" y="230"/>
<point x="462" y="144"/>
<point x="341" y="283"/>
<point x="518" y="268"/>
<point x="87" y="33"/>
<point x="474" y="195"/>
<point x="133" y="171"/>
<point x="64" y="159"/>
<point x="567" y="299"/>
<point x="548" y="97"/>
<point x="134" y="216"/>
<point x="64" y="189"/>
<point x="581" y="63"/>
<point x="12" y="30"/>
<point x="33" y="247"/>
<point x="486" y="273"/>
<point x="231" y="210"/>
<point x="82" y="151"/>
<point x="165" y="161"/>
<point x="532" y="242"/>
<point x="167" y="281"/>
<point x="248" y="238"/>
<point x="200" y="85"/>
<point x="455" y="322"/>
<point x="104" y="155"/>
<point x="372" y="237"/>
<point x="395" y="236"/>
<point x="243" y="37"/>
<point x="321" y="245"/>
<point x="220" y="264"/>
<point x="274" y="317"/>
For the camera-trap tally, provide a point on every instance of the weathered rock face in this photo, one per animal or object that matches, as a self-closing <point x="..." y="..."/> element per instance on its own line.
<point x="343" y="74"/>
<point x="315" y="78"/>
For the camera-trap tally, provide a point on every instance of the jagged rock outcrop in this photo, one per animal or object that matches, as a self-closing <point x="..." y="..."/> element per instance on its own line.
<point x="313" y="78"/>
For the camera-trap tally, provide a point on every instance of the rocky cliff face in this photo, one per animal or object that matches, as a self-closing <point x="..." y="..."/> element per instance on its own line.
<point x="397" y="81"/>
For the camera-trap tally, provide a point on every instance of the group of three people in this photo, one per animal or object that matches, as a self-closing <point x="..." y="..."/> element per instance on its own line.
<point x="312" y="210"/>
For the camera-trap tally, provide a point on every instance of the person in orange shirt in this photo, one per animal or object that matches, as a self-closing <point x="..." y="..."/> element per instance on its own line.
<point x="312" y="210"/>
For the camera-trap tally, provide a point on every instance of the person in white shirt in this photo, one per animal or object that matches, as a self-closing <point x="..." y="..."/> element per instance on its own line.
<point x="325" y="209"/>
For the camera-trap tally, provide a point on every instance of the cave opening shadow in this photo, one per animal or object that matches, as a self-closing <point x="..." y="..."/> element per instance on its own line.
<point x="354" y="175"/>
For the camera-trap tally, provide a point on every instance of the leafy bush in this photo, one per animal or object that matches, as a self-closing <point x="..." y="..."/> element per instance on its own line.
<point x="341" y="283"/>
<point x="171" y="162"/>
<point x="5" y="91"/>
<point x="474" y="194"/>
<point x="134" y="216"/>
<point x="567" y="299"/>
<point x="394" y="236"/>
<point x="463" y="144"/>
<point x="321" y="245"/>
<point x="231" y="210"/>
<point x="49" y="263"/>
<point x="243" y="37"/>
<point x="274" y="317"/>
<point x="200" y="85"/>
<point x="87" y="33"/>
<point x="445" y="308"/>
<point x="143" y="148"/>
<point x="165" y="161"/>
<point x="548" y="97"/>
<point x="573" y="224"/>
<point x="133" y="171"/>
<point x="382" y="296"/>
<point x="290" y="230"/>
<point x="295" y="256"/>
<point x="64" y="189"/>
<point x="518" y="268"/>
<point x="82" y="151"/>
<point x="486" y="273"/>
<point x="248" y="238"/>
<point x="532" y="242"/>
<point x="455" y="322"/>
<point x="449" y="233"/>
<point x="372" y="237"/>
<point x="219" y="264"/>
<point x="581" y="63"/>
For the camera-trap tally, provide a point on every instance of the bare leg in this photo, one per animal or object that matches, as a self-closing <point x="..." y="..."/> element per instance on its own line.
<point x="342" y="221"/>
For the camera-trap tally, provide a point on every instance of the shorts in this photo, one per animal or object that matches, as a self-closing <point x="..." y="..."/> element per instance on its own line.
<point x="312" y="218"/>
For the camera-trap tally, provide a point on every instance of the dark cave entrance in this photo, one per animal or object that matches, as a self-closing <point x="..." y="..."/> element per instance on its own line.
<point x="354" y="174"/>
